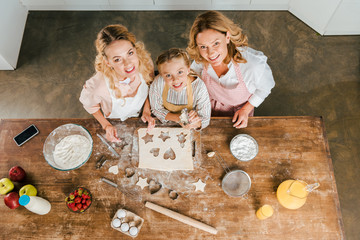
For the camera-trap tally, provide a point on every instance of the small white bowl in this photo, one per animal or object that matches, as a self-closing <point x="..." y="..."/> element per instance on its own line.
<point x="56" y="136"/>
<point x="243" y="150"/>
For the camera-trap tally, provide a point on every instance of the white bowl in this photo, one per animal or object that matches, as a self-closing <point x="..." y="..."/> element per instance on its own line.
<point x="244" y="147"/>
<point x="59" y="134"/>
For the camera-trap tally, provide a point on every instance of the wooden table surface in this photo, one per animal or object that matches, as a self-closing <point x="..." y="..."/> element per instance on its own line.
<point x="289" y="148"/>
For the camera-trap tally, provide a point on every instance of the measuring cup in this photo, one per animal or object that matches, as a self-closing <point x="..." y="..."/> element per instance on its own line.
<point x="235" y="183"/>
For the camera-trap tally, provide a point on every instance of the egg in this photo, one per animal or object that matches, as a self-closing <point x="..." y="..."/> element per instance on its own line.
<point x="116" y="223"/>
<point x="133" y="231"/>
<point x="124" y="227"/>
<point x="121" y="213"/>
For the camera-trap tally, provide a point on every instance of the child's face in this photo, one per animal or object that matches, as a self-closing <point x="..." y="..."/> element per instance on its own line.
<point x="213" y="46"/>
<point x="121" y="55"/>
<point x="175" y="73"/>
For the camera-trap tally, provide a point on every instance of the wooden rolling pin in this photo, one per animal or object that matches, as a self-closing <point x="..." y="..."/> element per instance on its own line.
<point x="181" y="218"/>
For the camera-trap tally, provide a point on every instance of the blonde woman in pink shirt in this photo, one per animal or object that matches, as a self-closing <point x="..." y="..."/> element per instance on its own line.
<point x="237" y="77"/>
<point x="119" y="88"/>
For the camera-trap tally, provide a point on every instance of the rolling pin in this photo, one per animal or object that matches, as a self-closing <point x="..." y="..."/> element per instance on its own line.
<point x="181" y="218"/>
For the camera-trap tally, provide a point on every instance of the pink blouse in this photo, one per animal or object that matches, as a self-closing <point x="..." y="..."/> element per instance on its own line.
<point x="95" y="95"/>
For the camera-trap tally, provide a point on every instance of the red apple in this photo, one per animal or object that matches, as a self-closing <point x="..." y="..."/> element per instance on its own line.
<point x="12" y="200"/>
<point x="17" y="174"/>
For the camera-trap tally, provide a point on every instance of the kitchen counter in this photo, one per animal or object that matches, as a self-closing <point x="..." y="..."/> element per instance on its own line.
<point x="289" y="148"/>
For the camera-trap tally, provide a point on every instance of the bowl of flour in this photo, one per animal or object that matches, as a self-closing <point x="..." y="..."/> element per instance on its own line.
<point x="68" y="147"/>
<point x="244" y="147"/>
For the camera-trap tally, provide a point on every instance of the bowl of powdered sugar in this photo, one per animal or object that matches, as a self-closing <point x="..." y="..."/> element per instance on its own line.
<point x="68" y="147"/>
<point x="244" y="147"/>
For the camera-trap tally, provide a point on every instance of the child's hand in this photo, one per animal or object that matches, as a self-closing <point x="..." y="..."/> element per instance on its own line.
<point x="194" y="119"/>
<point x="111" y="134"/>
<point x="146" y="117"/>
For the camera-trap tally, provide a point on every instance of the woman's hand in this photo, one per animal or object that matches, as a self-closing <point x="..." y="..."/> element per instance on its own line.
<point x="111" y="134"/>
<point x="194" y="119"/>
<point x="241" y="117"/>
<point x="146" y="117"/>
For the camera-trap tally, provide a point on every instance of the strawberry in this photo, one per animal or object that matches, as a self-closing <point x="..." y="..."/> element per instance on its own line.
<point x="78" y="200"/>
<point x="80" y="191"/>
<point x="71" y="196"/>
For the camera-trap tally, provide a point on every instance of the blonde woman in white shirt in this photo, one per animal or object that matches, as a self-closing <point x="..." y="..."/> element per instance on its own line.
<point x="176" y="88"/>
<point x="119" y="88"/>
<point x="237" y="77"/>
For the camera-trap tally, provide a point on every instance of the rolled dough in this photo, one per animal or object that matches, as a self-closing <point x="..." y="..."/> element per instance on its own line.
<point x="163" y="161"/>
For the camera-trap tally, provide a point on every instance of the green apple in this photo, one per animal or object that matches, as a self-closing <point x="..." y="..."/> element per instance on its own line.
<point x="29" y="190"/>
<point x="6" y="186"/>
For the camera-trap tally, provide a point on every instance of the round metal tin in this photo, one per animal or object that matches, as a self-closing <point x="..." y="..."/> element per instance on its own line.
<point x="236" y="183"/>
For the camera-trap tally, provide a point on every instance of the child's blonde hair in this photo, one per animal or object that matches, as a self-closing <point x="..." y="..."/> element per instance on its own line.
<point x="217" y="21"/>
<point x="174" y="53"/>
<point x="112" y="33"/>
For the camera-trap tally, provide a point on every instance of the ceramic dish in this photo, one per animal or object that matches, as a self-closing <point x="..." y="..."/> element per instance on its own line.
<point x="244" y="147"/>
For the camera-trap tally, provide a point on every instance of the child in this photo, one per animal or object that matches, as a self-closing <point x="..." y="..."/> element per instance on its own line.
<point x="237" y="77"/>
<point x="119" y="88"/>
<point x="176" y="88"/>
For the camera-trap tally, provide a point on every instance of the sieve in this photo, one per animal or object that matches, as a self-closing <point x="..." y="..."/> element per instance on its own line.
<point x="235" y="183"/>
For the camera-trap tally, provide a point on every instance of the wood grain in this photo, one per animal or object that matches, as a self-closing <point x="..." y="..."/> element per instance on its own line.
<point x="289" y="148"/>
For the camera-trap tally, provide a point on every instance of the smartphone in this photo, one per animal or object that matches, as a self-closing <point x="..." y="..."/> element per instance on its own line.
<point x="26" y="135"/>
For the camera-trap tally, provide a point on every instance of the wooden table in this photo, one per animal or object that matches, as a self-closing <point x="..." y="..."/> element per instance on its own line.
<point x="289" y="148"/>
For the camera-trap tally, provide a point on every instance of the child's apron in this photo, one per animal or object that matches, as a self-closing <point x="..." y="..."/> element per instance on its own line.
<point x="177" y="108"/>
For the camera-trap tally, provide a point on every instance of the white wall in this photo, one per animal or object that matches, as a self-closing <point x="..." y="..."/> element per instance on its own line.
<point x="156" y="4"/>
<point x="345" y="20"/>
<point x="12" y="23"/>
<point x="329" y="17"/>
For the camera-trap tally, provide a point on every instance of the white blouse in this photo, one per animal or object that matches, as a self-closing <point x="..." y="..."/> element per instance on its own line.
<point x="256" y="74"/>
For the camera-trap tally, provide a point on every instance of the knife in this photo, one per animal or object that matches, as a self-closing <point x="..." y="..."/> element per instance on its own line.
<point x="108" y="145"/>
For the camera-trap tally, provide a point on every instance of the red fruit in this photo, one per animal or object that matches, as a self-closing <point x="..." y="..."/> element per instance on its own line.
<point x="79" y="205"/>
<point x="72" y="205"/>
<point x="77" y="200"/>
<point x="88" y="202"/>
<point x="83" y="201"/>
<point x="85" y="206"/>
<point x="75" y="209"/>
<point x="12" y="200"/>
<point x="17" y="174"/>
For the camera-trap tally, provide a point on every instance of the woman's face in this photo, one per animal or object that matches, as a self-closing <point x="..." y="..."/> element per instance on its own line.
<point x="121" y="56"/>
<point x="213" y="46"/>
<point x="175" y="73"/>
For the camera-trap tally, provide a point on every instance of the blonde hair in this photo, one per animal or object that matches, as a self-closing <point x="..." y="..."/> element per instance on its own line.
<point x="112" y="33"/>
<point x="217" y="21"/>
<point x="172" y="53"/>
